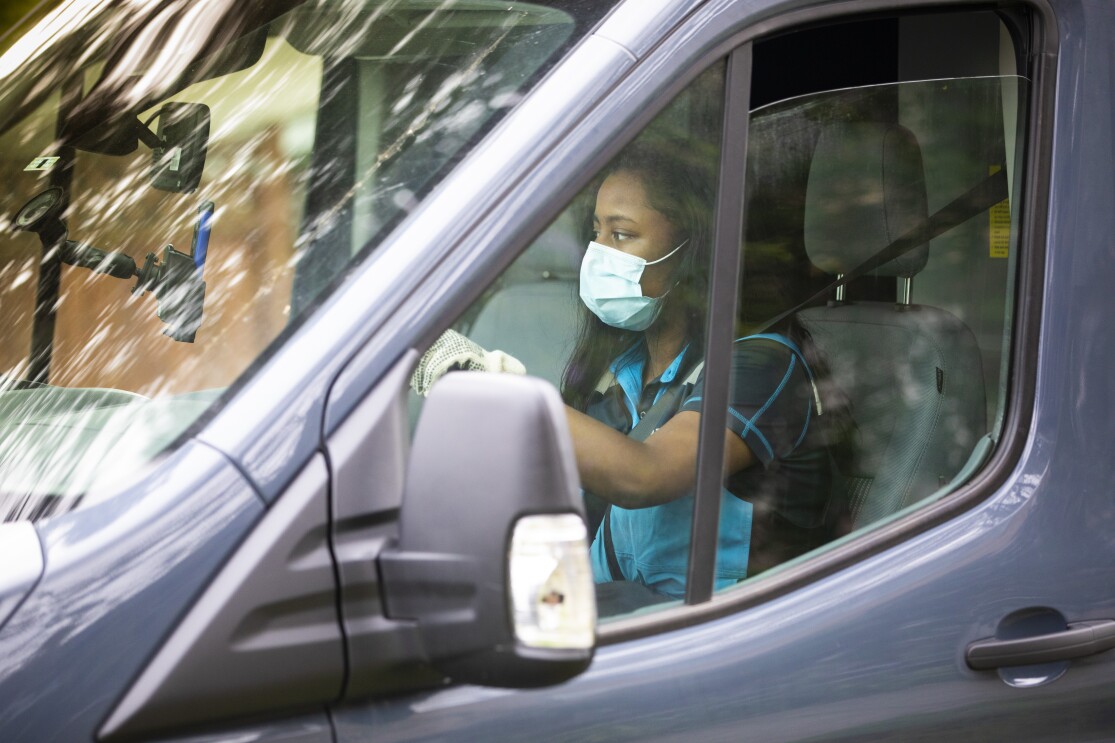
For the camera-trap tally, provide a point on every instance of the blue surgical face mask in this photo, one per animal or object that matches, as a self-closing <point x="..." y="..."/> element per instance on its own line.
<point x="610" y="287"/>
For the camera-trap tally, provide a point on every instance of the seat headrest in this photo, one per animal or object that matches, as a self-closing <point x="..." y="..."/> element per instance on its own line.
<point x="555" y="254"/>
<point x="866" y="188"/>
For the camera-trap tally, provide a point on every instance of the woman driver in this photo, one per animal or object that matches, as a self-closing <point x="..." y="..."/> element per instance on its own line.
<point x="644" y="284"/>
<point x="639" y="353"/>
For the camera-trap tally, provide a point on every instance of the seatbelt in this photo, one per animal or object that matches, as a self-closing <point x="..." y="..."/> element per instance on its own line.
<point x="662" y="408"/>
<point x="984" y="195"/>
<point x="610" y="547"/>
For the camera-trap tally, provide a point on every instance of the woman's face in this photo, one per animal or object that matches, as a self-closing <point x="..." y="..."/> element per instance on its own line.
<point x="624" y="220"/>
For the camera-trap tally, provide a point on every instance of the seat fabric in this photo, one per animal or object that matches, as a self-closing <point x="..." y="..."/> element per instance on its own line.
<point x="534" y="312"/>
<point x="913" y="373"/>
<point x="915" y="380"/>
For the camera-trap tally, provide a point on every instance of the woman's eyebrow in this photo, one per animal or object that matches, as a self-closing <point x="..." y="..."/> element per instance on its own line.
<point x="611" y="218"/>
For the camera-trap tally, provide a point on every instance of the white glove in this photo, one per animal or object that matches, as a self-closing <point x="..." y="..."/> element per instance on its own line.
<point x="454" y="352"/>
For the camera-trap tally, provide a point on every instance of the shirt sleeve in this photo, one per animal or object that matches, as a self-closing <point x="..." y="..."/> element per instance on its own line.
<point x="770" y="404"/>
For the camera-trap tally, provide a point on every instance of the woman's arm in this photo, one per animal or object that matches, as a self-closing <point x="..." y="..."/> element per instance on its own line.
<point x="639" y="474"/>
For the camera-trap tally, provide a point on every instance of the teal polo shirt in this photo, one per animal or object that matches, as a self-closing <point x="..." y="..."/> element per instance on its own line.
<point x="771" y="409"/>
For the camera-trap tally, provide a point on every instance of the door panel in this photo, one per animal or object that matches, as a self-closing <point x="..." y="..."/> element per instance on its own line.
<point x="877" y="649"/>
<point x="263" y="639"/>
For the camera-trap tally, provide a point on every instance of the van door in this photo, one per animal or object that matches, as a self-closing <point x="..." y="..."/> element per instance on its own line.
<point x="900" y="623"/>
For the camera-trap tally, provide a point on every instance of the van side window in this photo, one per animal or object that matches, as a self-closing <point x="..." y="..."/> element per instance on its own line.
<point x="882" y="186"/>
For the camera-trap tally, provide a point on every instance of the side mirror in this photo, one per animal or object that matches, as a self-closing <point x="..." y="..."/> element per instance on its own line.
<point x="179" y="158"/>
<point x="492" y="561"/>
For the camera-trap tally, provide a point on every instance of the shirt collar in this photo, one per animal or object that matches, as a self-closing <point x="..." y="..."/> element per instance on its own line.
<point x="672" y="370"/>
<point x="632" y="361"/>
<point x="628" y="370"/>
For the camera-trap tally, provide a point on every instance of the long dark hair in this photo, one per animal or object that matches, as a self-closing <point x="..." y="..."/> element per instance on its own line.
<point x="680" y="186"/>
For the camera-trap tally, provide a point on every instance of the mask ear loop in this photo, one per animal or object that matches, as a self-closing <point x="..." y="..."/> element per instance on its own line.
<point x="659" y="260"/>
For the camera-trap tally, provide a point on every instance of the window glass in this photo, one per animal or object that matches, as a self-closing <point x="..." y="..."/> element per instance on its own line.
<point x="294" y="136"/>
<point x="610" y="304"/>
<point x="889" y="391"/>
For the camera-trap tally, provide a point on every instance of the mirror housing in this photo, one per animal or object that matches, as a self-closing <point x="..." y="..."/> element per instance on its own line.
<point x="491" y="469"/>
<point x="179" y="158"/>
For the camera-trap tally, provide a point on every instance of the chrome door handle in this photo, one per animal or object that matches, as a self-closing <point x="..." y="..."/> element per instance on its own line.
<point x="1078" y="640"/>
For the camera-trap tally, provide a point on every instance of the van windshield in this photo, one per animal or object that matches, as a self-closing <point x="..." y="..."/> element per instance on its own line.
<point x="183" y="179"/>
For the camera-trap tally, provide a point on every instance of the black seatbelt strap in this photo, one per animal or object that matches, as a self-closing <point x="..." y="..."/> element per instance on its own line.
<point x="662" y="409"/>
<point x="984" y="195"/>
<point x="610" y="547"/>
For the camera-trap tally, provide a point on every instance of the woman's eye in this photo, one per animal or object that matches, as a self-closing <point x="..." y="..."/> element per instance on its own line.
<point x="621" y="236"/>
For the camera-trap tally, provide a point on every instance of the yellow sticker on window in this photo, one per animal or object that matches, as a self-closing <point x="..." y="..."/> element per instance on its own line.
<point x="999" y="226"/>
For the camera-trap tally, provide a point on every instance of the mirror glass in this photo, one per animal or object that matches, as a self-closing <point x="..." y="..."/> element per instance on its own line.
<point x="177" y="163"/>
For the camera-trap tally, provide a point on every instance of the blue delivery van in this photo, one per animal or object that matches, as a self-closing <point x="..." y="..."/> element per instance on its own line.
<point x="381" y="370"/>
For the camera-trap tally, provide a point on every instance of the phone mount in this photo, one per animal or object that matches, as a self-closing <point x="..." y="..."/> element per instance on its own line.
<point x="175" y="281"/>
<point x="179" y="292"/>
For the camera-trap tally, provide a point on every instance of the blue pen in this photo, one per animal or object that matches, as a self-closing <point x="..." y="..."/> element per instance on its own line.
<point x="201" y="235"/>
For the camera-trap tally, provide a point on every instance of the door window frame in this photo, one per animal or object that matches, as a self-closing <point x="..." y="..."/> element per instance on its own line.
<point x="724" y="270"/>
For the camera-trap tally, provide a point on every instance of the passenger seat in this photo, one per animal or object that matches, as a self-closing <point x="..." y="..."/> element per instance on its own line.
<point x="913" y="372"/>
<point x="534" y="312"/>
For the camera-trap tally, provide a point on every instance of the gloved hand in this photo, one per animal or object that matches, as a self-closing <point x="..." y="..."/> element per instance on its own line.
<point x="454" y="352"/>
